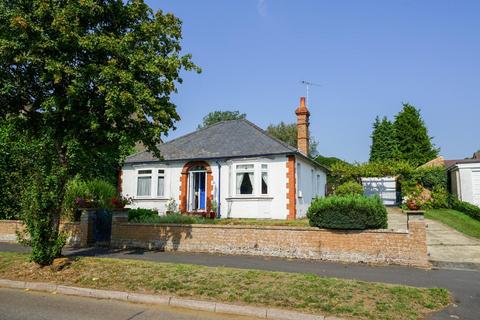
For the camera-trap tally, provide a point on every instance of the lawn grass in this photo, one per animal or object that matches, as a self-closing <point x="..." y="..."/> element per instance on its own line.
<point x="301" y="292"/>
<point x="457" y="220"/>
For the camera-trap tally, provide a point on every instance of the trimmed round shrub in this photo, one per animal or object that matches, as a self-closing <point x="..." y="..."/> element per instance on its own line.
<point x="348" y="212"/>
<point x="349" y="188"/>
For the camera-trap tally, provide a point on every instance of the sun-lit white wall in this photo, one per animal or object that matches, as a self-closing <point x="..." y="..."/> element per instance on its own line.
<point x="311" y="183"/>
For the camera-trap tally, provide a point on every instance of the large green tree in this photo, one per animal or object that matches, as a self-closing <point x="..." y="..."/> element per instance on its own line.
<point x="287" y="132"/>
<point x="218" y="116"/>
<point x="414" y="143"/>
<point x="92" y="76"/>
<point x="384" y="141"/>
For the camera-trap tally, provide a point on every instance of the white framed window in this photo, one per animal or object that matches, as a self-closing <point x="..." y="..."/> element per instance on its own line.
<point x="244" y="179"/>
<point x="299" y="180"/>
<point x="144" y="183"/>
<point x="313" y="184"/>
<point x="161" y="183"/>
<point x="264" y="181"/>
<point x="319" y="186"/>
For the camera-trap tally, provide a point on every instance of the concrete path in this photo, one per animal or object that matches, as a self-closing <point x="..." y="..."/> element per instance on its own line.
<point x="464" y="285"/>
<point x="19" y="304"/>
<point x="447" y="247"/>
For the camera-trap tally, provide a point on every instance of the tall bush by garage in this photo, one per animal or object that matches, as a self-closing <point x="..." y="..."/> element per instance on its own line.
<point x="348" y="212"/>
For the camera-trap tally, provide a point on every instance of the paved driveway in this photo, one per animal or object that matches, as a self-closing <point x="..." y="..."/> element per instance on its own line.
<point x="447" y="247"/>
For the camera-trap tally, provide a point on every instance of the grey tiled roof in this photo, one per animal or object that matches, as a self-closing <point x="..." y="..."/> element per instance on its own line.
<point x="227" y="139"/>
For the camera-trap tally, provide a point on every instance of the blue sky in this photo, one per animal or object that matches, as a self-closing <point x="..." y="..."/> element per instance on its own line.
<point x="369" y="57"/>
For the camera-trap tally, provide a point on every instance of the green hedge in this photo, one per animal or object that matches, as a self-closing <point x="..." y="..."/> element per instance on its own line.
<point x="151" y="216"/>
<point x="465" y="207"/>
<point x="349" y="212"/>
<point x="141" y="215"/>
<point x="349" y="188"/>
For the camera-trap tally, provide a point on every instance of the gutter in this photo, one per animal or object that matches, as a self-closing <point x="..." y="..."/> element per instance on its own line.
<point x="219" y="215"/>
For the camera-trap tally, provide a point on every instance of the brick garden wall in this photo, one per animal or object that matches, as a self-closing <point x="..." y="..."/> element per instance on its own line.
<point x="370" y="246"/>
<point x="8" y="230"/>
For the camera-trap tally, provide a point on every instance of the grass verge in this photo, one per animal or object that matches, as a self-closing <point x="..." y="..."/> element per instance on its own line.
<point x="457" y="220"/>
<point x="300" y="292"/>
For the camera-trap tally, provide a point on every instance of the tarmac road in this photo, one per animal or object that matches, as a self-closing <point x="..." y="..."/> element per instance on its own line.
<point x="21" y="305"/>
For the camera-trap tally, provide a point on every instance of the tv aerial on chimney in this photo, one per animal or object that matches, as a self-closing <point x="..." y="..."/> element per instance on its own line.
<point x="308" y="84"/>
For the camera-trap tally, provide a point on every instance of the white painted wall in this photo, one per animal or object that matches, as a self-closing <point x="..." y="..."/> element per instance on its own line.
<point x="384" y="187"/>
<point x="172" y="184"/>
<point x="465" y="182"/>
<point x="270" y="206"/>
<point x="308" y="185"/>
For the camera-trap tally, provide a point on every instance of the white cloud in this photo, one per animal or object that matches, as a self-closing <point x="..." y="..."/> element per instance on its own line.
<point x="262" y="7"/>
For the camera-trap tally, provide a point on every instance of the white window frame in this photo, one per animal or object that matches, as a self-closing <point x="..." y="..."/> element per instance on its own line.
<point x="252" y="181"/>
<point x="161" y="173"/>
<point x="264" y="169"/>
<point x="142" y="173"/>
<point x="154" y="175"/>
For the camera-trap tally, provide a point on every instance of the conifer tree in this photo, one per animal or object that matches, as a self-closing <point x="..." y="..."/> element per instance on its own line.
<point x="414" y="143"/>
<point x="384" y="145"/>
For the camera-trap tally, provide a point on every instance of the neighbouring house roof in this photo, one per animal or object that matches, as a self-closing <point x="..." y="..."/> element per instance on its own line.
<point x="451" y="163"/>
<point x="226" y="139"/>
<point x="474" y="159"/>
<point x="441" y="162"/>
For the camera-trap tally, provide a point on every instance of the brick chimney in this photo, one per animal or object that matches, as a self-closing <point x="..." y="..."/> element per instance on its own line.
<point x="303" y="116"/>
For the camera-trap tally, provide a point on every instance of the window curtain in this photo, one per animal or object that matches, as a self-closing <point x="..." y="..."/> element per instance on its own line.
<point x="161" y="186"/>
<point x="264" y="183"/>
<point x="239" y="182"/>
<point x="143" y="186"/>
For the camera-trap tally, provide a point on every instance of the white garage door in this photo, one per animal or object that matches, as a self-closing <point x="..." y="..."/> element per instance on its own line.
<point x="476" y="187"/>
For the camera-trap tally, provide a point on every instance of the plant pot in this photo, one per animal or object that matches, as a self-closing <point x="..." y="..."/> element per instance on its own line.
<point x="212" y="215"/>
<point x="412" y="205"/>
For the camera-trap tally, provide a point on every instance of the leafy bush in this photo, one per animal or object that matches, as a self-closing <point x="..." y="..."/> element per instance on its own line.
<point x="465" y="207"/>
<point x="39" y="205"/>
<point x="94" y="193"/>
<point x="440" y="198"/>
<point x="141" y="215"/>
<point x="349" y="188"/>
<point x="174" y="218"/>
<point x="349" y="212"/>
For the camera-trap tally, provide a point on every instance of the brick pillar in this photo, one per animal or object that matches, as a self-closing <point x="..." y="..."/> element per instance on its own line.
<point x="303" y="116"/>
<point x="291" y="189"/>
<point x="418" y="233"/>
<point x="86" y="227"/>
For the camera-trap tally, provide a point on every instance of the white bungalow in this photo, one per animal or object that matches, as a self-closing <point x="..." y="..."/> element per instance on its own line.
<point x="235" y="165"/>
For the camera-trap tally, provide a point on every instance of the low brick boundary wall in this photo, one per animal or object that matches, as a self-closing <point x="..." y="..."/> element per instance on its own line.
<point x="8" y="229"/>
<point x="369" y="246"/>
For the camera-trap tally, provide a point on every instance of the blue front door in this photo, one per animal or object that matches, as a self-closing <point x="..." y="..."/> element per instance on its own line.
<point x="197" y="194"/>
<point x="202" y="191"/>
